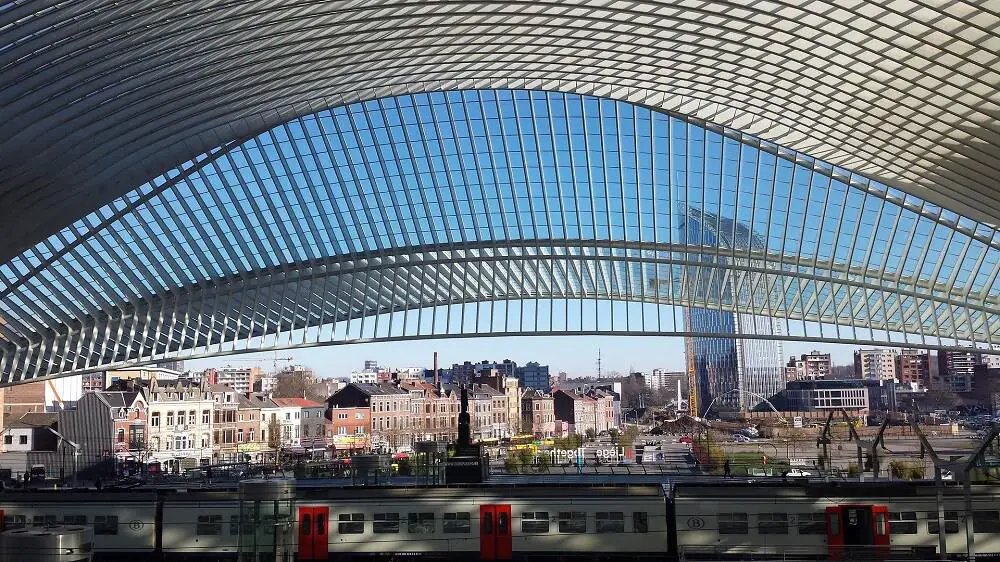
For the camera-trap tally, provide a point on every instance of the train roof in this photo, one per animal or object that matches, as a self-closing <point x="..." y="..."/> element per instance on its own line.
<point x="822" y="489"/>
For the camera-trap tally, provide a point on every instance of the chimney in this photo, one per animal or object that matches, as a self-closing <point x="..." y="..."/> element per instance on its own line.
<point x="437" y="380"/>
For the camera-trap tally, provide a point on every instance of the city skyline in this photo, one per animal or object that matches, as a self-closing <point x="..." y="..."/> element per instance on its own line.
<point x="576" y="355"/>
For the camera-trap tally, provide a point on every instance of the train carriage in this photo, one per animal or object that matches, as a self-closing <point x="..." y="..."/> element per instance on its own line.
<point x="848" y="521"/>
<point x="124" y="523"/>
<point x="696" y="521"/>
<point x="487" y="523"/>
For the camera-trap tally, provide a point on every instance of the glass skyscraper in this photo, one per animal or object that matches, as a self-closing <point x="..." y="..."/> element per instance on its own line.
<point x="732" y="373"/>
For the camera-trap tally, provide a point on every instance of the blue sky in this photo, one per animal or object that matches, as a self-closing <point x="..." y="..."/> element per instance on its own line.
<point x="577" y="355"/>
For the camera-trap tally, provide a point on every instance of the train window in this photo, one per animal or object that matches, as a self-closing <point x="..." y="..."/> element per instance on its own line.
<point x="772" y="523"/>
<point x="903" y="522"/>
<point x="37" y="521"/>
<point x="209" y="525"/>
<point x="14" y="522"/>
<point x="306" y="524"/>
<point x="834" y="523"/>
<point x="458" y="522"/>
<point x="234" y="526"/>
<point x="420" y="523"/>
<point x="812" y="523"/>
<point x="74" y="520"/>
<point x="105" y="524"/>
<point x="534" y="522"/>
<point x="640" y="522"/>
<point x="572" y="522"/>
<point x="880" y="523"/>
<point x="351" y="523"/>
<point x="734" y="524"/>
<point x="385" y="523"/>
<point x="950" y="522"/>
<point x="986" y="521"/>
<point x="610" y="522"/>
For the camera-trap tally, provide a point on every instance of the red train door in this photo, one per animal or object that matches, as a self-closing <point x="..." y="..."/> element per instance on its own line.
<point x="880" y="534"/>
<point x="487" y="536"/>
<point x="504" y="536"/>
<point x="834" y="533"/>
<point x="305" y="533"/>
<point x="495" y="532"/>
<point x="321" y="533"/>
<point x="313" y="532"/>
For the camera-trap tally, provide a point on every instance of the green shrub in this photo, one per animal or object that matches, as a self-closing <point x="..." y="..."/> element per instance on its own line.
<point x="852" y="470"/>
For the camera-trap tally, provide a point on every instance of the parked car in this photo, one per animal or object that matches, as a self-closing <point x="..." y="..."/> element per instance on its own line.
<point x="740" y="438"/>
<point x="686" y="439"/>
<point x="798" y="472"/>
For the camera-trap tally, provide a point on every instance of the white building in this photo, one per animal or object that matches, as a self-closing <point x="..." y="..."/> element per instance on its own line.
<point x="410" y="374"/>
<point x="875" y="364"/>
<point x="663" y="379"/>
<point x="288" y="413"/>
<point x="240" y="379"/>
<point x="364" y="377"/>
<point x="266" y="384"/>
<point x="991" y="361"/>
<point x="180" y="424"/>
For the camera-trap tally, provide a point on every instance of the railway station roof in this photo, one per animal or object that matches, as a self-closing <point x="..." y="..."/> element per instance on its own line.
<point x="208" y="177"/>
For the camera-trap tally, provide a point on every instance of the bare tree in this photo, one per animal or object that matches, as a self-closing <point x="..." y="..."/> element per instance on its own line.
<point x="941" y="400"/>
<point x="298" y="384"/>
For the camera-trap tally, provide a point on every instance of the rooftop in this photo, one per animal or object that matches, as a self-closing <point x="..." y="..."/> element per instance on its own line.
<point x="296" y="402"/>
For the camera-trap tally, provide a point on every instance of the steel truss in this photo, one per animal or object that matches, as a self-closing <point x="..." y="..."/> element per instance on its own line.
<point x="491" y="213"/>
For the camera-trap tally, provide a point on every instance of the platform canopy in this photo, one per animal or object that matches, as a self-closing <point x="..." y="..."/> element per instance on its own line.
<point x="183" y="179"/>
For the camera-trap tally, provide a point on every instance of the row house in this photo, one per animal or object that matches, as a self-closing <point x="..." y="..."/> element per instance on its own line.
<point x="314" y="425"/>
<point x="389" y="410"/>
<point x="512" y="388"/>
<point x="129" y="411"/>
<point x="488" y="412"/>
<point x="606" y="416"/>
<point x="180" y="424"/>
<point x="576" y="409"/>
<point x="287" y="413"/>
<point x="250" y="441"/>
<point x="434" y="412"/>
<point x="348" y="428"/>
<point x="224" y="422"/>
<point x="538" y="414"/>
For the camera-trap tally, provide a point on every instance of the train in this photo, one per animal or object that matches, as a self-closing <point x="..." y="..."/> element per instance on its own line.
<point x="536" y="521"/>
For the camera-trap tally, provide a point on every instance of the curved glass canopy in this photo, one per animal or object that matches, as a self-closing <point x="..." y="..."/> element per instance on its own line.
<point x="492" y="212"/>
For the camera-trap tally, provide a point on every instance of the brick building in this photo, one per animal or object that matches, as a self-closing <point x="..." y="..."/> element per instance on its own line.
<point x="537" y="414"/>
<point x="389" y="410"/>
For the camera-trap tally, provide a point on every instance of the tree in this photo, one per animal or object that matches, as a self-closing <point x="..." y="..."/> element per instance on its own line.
<point x="628" y="438"/>
<point x="591" y="434"/>
<point x="942" y="400"/>
<point x="274" y="434"/>
<point x="298" y="384"/>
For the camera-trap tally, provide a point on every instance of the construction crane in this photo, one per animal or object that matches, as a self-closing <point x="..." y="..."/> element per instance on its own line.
<point x="274" y="361"/>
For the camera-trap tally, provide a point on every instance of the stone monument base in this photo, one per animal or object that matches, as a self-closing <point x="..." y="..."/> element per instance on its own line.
<point x="468" y="466"/>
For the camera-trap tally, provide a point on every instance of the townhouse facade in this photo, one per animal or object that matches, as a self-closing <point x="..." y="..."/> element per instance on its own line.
<point x="314" y="424"/>
<point x="538" y="414"/>
<point x="389" y="410"/>
<point x="250" y="443"/>
<point x="434" y="412"/>
<point x="225" y="424"/>
<point x="348" y="429"/>
<point x="576" y="409"/>
<point x="180" y="424"/>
